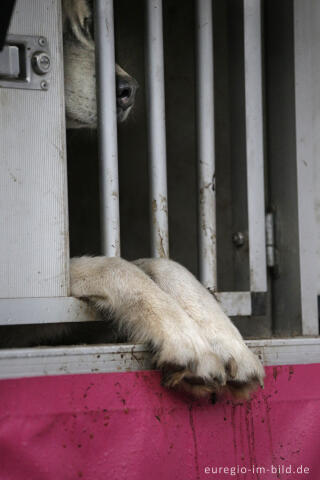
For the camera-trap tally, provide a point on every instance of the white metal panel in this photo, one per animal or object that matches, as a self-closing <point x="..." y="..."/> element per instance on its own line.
<point x="235" y="303"/>
<point x="19" y="311"/>
<point x="286" y="351"/>
<point x="315" y="65"/>
<point x="254" y="145"/>
<point x="33" y="193"/>
<point x="303" y="14"/>
<point x="32" y="362"/>
<point x="44" y="310"/>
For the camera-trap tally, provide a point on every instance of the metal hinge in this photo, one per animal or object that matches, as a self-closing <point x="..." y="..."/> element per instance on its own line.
<point x="270" y="240"/>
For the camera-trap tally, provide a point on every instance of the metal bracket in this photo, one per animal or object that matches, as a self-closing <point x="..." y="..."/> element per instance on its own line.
<point x="25" y="62"/>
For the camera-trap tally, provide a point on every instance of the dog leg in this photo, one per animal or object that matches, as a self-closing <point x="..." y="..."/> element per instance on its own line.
<point x="244" y="369"/>
<point x="148" y="314"/>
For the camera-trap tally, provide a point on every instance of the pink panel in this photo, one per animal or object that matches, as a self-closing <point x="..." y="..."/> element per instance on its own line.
<point x="124" y="426"/>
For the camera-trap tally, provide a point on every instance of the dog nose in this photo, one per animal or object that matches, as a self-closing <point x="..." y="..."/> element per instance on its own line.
<point x="126" y="91"/>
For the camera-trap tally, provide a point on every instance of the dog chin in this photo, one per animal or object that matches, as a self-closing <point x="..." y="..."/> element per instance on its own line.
<point x="122" y="114"/>
<point x="73" y="123"/>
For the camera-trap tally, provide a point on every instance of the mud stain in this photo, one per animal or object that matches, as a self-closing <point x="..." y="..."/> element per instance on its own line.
<point x="250" y="436"/>
<point x="224" y="412"/>
<point x="88" y="389"/>
<point x="241" y="434"/>
<point x="275" y="373"/>
<point x="234" y="430"/>
<point x="195" y="443"/>
<point x="291" y="372"/>
<point x="233" y="424"/>
<point x="268" y="425"/>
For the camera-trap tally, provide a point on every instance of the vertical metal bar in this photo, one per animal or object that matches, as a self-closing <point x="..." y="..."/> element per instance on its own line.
<point x="107" y="124"/>
<point x="157" y="132"/>
<point x="303" y="65"/>
<point x="206" y="152"/>
<point x="254" y="145"/>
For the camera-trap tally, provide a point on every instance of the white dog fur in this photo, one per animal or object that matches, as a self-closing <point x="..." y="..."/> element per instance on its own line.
<point x="79" y="67"/>
<point x="153" y="300"/>
<point x="160" y="302"/>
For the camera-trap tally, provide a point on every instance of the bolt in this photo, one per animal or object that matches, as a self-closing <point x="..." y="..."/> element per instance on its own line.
<point x="238" y="239"/>
<point x="41" y="63"/>
<point x="44" y="85"/>
<point x="42" y="41"/>
<point x="45" y="62"/>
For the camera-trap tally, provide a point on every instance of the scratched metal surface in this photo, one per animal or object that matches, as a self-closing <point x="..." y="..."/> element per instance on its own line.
<point x="31" y="362"/>
<point x="126" y="426"/>
<point x="34" y="247"/>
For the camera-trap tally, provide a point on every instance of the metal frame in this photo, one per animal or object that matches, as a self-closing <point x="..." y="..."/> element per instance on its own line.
<point x="34" y="248"/>
<point x="21" y="311"/>
<point x="33" y="362"/>
<point x="315" y="73"/>
<point x="281" y="138"/>
<point x="304" y="159"/>
<point x="292" y="134"/>
<point x="254" y="145"/>
<point x="43" y="361"/>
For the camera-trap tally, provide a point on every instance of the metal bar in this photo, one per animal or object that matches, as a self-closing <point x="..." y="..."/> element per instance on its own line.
<point x="33" y="362"/>
<point x="305" y="139"/>
<point x="286" y="351"/>
<point x="316" y="129"/>
<point x="157" y="130"/>
<point x="19" y="311"/>
<point x="254" y="145"/>
<point x="107" y="124"/>
<point x="206" y="153"/>
<point x="41" y="310"/>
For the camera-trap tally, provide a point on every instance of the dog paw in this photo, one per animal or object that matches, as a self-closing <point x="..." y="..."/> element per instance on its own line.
<point x="199" y="365"/>
<point x="184" y="356"/>
<point x="200" y="376"/>
<point x="201" y="361"/>
<point x="244" y="371"/>
<point x="239" y="372"/>
<point x="197" y="362"/>
<point x="241" y="369"/>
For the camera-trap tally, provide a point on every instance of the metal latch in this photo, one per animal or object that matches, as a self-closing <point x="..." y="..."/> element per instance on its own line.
<point x="9" y="62"/>
<point x="25" y="62"/>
